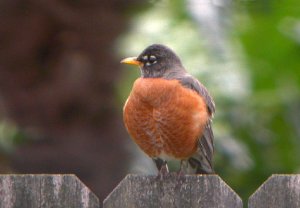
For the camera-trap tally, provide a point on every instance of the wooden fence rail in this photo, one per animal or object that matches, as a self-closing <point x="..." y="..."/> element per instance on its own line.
<point x="136" y="191"/>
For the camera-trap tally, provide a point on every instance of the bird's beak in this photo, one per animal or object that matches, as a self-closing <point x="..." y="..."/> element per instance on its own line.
<point x="132" y="61"/>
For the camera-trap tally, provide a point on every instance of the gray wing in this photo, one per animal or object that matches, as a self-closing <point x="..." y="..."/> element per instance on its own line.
<point x="192" y="83"/>
<point x="201" y="161"/>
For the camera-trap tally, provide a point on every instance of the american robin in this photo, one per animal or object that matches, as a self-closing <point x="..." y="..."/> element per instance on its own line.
<point x="168" y="112"/>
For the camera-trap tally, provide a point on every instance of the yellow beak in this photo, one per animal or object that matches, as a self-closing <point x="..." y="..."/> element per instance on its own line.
<point x="132" y="61"/>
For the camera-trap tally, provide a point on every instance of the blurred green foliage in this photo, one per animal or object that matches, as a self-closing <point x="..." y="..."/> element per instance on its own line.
<point x="255" y="83"/>
<point x="10" y="136"/>
<point x="271" y="43"/>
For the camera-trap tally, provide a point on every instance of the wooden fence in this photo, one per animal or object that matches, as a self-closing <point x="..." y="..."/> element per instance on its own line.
<point x="191" y="191"/>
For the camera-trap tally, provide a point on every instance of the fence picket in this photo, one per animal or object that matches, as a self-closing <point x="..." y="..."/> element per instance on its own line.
<point x="45" y="191"/>
<point x="189" y="191"/>
<point x="279" y="191"/>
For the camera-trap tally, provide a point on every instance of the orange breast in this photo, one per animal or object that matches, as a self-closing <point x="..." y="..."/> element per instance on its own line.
<point x="164" y="118"/>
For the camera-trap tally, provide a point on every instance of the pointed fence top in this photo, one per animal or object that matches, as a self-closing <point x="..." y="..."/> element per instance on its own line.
<point x="279" y="191"/>
<point x="42" y="190"/>
<point x="190" y="191"/>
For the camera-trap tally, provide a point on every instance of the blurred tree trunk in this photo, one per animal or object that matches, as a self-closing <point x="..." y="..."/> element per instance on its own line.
<point x="57" y="76"/>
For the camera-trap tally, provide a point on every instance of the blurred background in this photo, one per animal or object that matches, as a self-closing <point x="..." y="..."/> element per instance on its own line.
<point x="62" y="88"/>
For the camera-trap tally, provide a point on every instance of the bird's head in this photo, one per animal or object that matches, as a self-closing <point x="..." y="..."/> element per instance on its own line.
<point x="156" y="61"/>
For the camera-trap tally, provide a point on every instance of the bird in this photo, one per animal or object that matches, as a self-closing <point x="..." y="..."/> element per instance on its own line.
<point x="168" y="112"/>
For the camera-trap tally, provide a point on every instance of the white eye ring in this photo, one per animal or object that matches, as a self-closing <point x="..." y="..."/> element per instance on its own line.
<point x="152" y="58"/>
<point x="145" y="58"/>
<point x="149" y="64"/>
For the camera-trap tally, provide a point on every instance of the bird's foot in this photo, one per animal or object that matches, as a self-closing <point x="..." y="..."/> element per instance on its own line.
<point x="180" y="173"/>
<point x="163" y="172"/>
<point x="183" y="167"/>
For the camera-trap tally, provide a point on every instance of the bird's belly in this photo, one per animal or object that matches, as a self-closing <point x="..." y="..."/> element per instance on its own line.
<point x="166" y="123"/>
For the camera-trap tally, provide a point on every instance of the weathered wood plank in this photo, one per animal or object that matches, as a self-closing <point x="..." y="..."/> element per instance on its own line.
<point x="189" y="191"/>
<point x="32" y="191"/>
<point x="279" y="191"/>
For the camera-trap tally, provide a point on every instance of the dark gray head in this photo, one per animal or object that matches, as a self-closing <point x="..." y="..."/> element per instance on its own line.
<point x="157" y="61"/>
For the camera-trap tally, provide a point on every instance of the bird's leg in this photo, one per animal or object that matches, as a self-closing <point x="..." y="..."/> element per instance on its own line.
<point x="162" y="167"/>
<point x="183" y="167"/>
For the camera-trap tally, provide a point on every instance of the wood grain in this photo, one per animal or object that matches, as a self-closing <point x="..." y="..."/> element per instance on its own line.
<point x="35" y="191"/>
<point x="188" y="191"/>
<point x="279" y="191"/>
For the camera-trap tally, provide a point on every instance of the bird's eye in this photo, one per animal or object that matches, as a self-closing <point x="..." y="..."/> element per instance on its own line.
<point x="152" y="59"/>
<point x="149" y="59"/>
